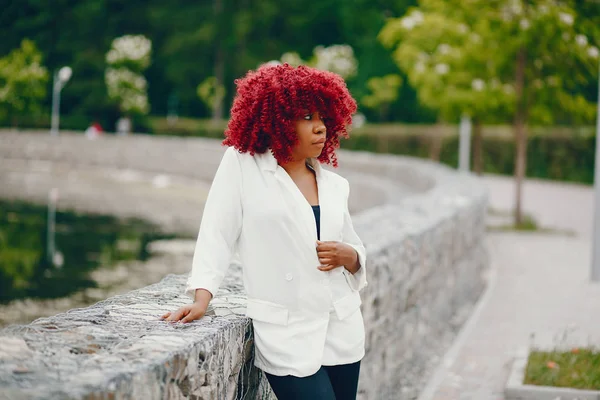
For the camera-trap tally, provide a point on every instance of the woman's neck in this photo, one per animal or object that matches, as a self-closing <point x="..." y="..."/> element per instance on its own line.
<point x="295" y="168"/>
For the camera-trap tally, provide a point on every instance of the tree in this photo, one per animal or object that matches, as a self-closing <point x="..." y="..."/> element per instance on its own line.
<point x="127" y="59"/>
<point x="384" y="91"/>
<point x="549" y="57"/>
<point x="23" y="81"/>
<point x="212" y="94"/>
<point x="338" y="58"/>
<point x="194" y="40"/>
<point x="446" y="60"/>
<point x="531" y="53"/>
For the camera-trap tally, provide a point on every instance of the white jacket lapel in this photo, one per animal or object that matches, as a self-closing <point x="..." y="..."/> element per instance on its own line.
<point x="330" y="210"/>
<point x="300" y="210"/>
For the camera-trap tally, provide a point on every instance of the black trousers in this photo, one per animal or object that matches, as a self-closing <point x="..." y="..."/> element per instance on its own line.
<point x="338" y="382"/>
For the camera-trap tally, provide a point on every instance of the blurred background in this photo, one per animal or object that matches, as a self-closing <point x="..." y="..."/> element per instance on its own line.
<point x="414" y="68"/>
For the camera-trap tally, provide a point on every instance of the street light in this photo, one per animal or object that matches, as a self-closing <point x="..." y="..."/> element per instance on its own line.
<point x="464" y="147"/>
<point x="51" y="226"/>
<point x="60" y="80"/>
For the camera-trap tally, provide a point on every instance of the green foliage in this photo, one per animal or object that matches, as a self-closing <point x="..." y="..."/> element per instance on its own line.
<point x="384" y="90"/>
<point x="78" y="122"/>
<point x="127" y="59"/>
<point x="23" y="81"/>
<point x="20" y="253"/>
<point x="292" y="58"/>
<point x="186" y="38"/>
<point x="447" y="61"/>
<point x="189" y="127"/>
<point x="557" y="155"/>
<point x="461" y="56"/>
<point x="528" y="224"/>
<point x="337" y="58"/>
<point x="211" y="92"/>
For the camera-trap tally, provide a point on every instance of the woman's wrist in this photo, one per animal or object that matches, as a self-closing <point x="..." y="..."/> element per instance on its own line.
<point x="354" y="263"/>
<point x="202" y="296"/>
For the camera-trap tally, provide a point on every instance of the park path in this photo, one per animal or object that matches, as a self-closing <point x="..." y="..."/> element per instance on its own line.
<point x="563" y="206"/>
<point x="539" y="292"/>
<point x="173" y="202"/>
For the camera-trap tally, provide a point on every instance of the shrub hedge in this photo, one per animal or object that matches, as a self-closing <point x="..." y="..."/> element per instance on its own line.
<point x="548" y="156"/>
<point x="557" y="153"/>
<point x="75" y="122"/>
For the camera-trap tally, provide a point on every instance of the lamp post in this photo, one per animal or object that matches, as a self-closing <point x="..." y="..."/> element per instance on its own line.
<point x="595" y="275"/>
<point x="51" y="230"/>
<point x="464" y="148"/>
<point x="60" y="80"/>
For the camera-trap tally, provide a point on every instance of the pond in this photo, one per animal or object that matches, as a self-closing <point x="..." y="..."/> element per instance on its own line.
<point x="81" y="243"/>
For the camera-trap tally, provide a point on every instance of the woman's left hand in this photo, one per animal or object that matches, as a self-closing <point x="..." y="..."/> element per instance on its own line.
<point x="336" y="254"/>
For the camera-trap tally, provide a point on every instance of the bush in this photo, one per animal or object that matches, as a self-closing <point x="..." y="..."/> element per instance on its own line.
<point x="78" y="122"/>
<point x="557" y="153"/>
<point x="188" y="127"/>
<point x="554" y="153"/>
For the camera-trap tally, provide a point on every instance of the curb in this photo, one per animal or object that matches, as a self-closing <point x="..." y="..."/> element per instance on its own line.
<point x="447" y="361"/>
<point x="516" y="390"/>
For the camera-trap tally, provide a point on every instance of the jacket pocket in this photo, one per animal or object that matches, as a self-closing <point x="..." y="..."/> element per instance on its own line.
<point x="266" y="311"/>
<point x="346" y="306"/>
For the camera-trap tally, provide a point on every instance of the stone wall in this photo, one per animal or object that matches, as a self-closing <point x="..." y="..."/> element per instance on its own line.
<point x="423" y="225"/>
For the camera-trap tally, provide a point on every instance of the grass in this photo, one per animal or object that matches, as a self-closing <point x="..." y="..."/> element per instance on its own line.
<point x="577" y="368"/>
<point x="528" y="224"/>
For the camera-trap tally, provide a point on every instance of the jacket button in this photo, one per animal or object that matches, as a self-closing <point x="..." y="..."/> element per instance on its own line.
<point x="289" y="277"/>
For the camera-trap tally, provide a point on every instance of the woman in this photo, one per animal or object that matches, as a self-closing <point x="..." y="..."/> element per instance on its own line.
<point x="288" y="220"/>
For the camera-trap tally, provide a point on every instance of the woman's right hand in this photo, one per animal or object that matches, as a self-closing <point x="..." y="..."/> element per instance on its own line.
<point x="191" y="312"/>
<point x="187" y="313"/>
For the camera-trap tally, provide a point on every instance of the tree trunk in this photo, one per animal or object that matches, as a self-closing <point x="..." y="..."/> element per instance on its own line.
<point x="435" y="145"/>
<point x="520" y="133"/>
<point x="219" y="67"/>
<point x="477" y="147"/>
<point x="242" y="44"/>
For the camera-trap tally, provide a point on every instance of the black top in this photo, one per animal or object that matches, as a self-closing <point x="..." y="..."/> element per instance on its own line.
<point x="317" y="211"/>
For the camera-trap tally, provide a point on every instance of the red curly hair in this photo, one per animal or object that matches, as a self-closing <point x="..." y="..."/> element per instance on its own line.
<point x="270" y="99"/>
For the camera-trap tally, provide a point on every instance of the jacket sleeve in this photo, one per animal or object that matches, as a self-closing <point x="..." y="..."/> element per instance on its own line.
<point x="358" y="280"/>
<point x="219" y="229"/>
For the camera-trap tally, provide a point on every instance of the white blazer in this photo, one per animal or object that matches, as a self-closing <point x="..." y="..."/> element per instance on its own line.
<point x="303" y="318"/>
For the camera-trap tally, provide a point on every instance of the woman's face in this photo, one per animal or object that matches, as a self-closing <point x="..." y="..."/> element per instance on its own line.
<point x="311" y="132"/>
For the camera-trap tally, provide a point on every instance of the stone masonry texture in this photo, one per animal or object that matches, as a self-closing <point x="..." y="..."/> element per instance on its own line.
<point x="423" y="225"/>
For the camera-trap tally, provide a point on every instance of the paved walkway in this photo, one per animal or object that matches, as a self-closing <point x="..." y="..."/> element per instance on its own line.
<point x="539" y="293"/>
<point x="564" y="206"/>
<point x="173" y="202"/>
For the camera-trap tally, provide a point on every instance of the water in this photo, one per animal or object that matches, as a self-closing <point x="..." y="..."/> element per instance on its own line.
<point x="82" y="242"/>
